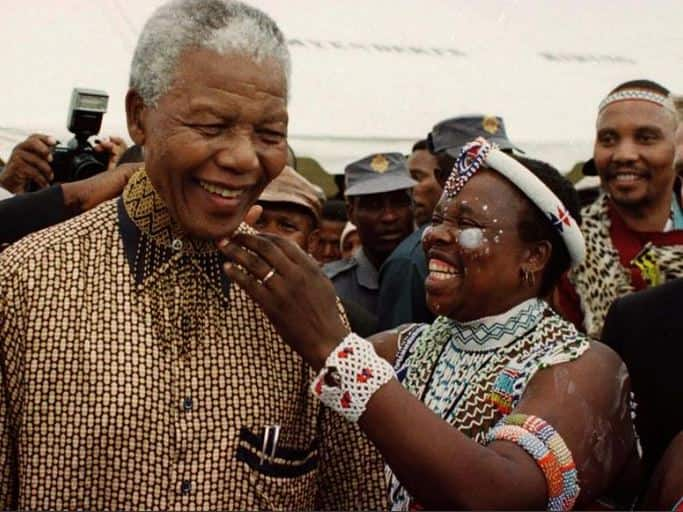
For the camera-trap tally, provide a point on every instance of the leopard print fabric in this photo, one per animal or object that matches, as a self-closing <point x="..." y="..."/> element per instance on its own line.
<point x="601" y="278"/>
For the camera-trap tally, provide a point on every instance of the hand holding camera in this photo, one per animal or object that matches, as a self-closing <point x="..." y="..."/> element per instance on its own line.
<point x="29" y="164"/>
<point x="40" y="160"/>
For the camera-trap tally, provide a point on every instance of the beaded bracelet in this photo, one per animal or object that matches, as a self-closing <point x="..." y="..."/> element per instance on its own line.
<point x="556" y="444"/>
<point x="353" y="372"/>
<point x="546" y="446"/>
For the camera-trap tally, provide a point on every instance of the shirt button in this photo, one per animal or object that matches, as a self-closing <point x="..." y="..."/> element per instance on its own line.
<point x="187" y="404"/>
<point x="177" y="244"/>
<point x="185" y="487"/>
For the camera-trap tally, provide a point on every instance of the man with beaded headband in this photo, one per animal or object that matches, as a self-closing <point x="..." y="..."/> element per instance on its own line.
<point x="634" y="230"/>
<point x="135" y="375"/>
<point x="500" y="403"/>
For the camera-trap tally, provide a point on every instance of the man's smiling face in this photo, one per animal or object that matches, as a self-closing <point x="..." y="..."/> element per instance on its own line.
<point x="634" y="152"/>
<point x="216" y="139"/>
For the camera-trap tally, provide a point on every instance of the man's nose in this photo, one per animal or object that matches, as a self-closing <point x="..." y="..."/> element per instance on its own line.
<point x="435" y="234"/>
<point x="389" y="213"/>
<point x="625" y="151"/>
<point x="238" y="154"/>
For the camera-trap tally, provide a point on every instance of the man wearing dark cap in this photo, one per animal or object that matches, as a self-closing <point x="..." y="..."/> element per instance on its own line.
<point x="379" y="203"/>
<point x="402" y="294"/>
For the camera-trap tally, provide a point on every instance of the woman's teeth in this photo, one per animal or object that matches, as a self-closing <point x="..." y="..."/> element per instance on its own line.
<point x="221" y="191"/>
<point x="441" y="270"/>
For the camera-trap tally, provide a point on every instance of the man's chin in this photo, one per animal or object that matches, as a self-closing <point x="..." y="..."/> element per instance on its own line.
<point x="212" y="229"/>
<point x="628" y="199"/>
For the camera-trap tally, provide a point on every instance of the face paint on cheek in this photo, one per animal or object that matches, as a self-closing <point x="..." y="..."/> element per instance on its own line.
<point x="471" y="238"/>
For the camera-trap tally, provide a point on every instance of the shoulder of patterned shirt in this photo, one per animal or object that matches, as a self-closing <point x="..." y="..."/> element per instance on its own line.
<point x="43" y="248"/>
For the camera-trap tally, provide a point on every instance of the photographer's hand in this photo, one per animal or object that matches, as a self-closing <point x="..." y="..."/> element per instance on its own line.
<point x="29" y="162"/>
<point x="83" y="195"/>
<point x="115" y="146"/>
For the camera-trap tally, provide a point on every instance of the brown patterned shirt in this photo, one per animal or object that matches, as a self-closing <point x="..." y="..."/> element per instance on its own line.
<point x="135" y="376"/>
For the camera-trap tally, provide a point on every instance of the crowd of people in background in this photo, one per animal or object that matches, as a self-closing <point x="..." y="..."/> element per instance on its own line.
<point x="200" y="326"/>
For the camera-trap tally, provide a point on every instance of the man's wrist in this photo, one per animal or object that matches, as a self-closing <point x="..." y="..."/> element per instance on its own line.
<point x="73" y="197"/>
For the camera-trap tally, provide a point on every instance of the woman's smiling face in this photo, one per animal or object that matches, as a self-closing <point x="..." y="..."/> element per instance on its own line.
<point x="474" y="251"/>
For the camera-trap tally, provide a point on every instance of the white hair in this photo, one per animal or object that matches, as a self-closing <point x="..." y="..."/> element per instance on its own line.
<point x="220" y="25"/>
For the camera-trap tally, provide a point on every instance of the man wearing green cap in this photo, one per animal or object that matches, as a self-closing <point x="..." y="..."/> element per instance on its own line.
<point x="379" y="202"/>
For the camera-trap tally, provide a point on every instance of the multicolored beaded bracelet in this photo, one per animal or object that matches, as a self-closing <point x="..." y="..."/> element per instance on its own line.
<point x="545" y="459"/>
<point x="554" y="458"/>
<point x="556" y="444"/>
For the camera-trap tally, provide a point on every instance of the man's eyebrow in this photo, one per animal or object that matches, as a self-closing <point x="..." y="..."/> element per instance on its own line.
<point x="649" y="127"/>
<point x="279" y="117"/>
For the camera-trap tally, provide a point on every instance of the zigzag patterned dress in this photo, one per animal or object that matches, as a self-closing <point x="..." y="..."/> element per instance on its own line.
<point x="473" y="374"/>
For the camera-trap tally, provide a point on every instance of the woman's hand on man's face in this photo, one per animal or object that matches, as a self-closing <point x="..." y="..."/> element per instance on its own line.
<point x="292" y="290"/>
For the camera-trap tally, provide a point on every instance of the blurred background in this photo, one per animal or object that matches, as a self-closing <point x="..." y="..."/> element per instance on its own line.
<point x="371" y="75"/>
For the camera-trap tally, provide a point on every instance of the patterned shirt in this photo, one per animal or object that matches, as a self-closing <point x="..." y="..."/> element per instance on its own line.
<point x="135" y="376"/>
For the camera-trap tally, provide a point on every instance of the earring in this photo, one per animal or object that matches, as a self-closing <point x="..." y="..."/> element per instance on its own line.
<point x="528" y="277"/>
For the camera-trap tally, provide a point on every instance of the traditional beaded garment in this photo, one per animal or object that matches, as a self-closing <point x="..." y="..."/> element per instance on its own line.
<point x="601" y="278"/>
<point x="473" y="374"/>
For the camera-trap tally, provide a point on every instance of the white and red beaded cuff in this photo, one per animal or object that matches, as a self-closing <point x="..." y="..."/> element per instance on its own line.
<point x="353" y="372"/>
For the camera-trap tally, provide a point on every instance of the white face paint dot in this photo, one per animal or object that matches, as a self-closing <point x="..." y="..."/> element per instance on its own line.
<point x="471" y="238"/>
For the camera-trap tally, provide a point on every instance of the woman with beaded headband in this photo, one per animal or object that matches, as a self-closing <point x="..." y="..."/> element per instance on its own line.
<point x="499" y="403"/>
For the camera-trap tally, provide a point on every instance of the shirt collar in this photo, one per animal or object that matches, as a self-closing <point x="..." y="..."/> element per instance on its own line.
<point x="368" y="275"/>
<point x="152" y="240"/>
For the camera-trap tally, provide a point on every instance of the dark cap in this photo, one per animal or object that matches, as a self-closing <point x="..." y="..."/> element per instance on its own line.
<point x="377" y="173"/>
<point x="452" y="134"/>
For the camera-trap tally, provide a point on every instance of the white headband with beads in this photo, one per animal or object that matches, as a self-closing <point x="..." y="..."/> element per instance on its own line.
<point x="638" y="95"/>
<point x="481" y="152"/>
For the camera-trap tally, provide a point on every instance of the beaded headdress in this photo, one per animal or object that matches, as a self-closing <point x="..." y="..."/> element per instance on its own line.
<point x="480" y="153"/>
<point x="662" y="100"/>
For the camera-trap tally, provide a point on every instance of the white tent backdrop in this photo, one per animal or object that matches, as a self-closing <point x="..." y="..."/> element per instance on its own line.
<point x="370" y="75"/>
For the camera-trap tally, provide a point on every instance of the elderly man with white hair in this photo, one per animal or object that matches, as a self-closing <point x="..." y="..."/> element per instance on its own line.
<point x="135" y="374"/>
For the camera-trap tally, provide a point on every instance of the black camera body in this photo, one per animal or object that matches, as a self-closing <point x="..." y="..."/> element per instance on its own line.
<point x="77" y="160"/>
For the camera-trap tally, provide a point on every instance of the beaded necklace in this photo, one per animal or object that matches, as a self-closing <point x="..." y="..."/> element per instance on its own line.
<point x="448" y="351"/>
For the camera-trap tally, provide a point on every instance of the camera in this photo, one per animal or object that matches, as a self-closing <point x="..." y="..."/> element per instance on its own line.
<point x="77" y="159"/>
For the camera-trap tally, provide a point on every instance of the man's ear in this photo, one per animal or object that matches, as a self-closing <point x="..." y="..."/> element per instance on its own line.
<point x="537" y="256"/>
<point x="351" y="209"/>
<point x="135" y="111"/>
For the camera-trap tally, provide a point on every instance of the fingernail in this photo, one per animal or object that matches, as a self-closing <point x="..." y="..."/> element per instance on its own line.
<point x="52" y="141"/>
<point x="223" y="242"/>
<point x="49" y="157"/>
<point x="227" y="266"/>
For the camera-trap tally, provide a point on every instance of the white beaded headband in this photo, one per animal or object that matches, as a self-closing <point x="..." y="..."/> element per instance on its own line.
<point x="638" y="95"/>
<point x="481" y="152"/>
